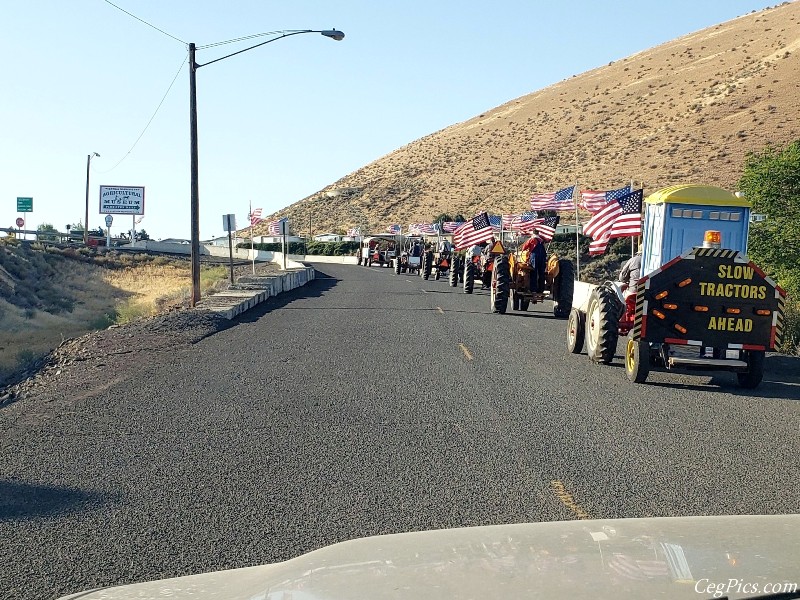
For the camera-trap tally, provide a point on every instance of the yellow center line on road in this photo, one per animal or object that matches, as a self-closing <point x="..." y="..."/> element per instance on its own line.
<point x="466" y="351"/>
<point x="567" y="500"/>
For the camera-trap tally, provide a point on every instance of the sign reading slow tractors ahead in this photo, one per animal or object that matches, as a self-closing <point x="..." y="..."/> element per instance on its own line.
<point x="121" y="200"/>
<point x="710" y="297"/>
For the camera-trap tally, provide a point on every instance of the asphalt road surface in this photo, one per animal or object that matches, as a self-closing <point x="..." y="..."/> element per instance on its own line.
<point x="369" y="403"/>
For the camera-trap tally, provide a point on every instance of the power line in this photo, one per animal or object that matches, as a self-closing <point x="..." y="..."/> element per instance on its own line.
<point x="241" y="39"/>
<point x="174" y="79"/>
<point x="145" y="22"/>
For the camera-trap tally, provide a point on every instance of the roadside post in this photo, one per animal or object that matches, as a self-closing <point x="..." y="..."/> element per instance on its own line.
<point x="229" y="225"/>
<point x="109" y="221"/>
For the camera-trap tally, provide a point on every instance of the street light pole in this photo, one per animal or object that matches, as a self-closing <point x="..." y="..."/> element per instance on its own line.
<point x="195" y="191"/>
<point x="86" y="214"/>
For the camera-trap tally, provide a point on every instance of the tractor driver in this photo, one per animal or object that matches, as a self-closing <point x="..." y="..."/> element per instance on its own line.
<point x="537" y="260"/>
<point x="631" y="272"/>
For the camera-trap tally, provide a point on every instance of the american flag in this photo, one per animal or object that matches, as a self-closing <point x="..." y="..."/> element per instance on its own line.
<point x="478" y="230"/>
<point x="508" y="221"/>
<point x="421" y="228"/>
<point x="255" y="217"/>
<point x="546" y="228"/>
<point x="520" y="220"/>
<point x="620" y="218"/>
<point x="277" y="227"/>
<point x="451" y="226"/>
<point x="495" y="221"/>
<point x="596" y="200"/>
<point x="393" y="229"/>
<point x="354" y="231"/>
<point x="560" y="200"/>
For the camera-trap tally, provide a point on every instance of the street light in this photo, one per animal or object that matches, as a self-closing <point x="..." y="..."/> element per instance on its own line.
<point x="195" y="192"/>
<point x="86" y="215"/>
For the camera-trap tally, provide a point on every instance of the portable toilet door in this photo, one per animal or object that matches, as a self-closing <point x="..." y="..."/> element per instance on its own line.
<point x="676" y="219"/>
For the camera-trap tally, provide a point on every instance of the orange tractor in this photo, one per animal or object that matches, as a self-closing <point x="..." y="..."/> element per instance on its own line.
<point x="513" y="276"/>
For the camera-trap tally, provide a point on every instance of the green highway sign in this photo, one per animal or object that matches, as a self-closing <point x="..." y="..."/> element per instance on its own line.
<point x="24" y="204"/>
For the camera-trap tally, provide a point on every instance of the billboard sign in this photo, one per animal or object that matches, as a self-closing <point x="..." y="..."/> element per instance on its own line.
<point x="121" y="200"/>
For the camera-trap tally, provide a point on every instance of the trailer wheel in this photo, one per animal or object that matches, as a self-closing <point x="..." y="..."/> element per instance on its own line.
<point x="453" y="274"/>
<point x="602" y="325"/>
<point x="637" y="360"/>
<point x="500" y="285"/>
<point x="469" y="276"/>
<point x="755" y="370"/>
<point x="524" y="303"/>
<point x="515" y="300"/>
<point x="397" y="266"/>
<point x="575" y="331"/>
<point x="563" y="289"/>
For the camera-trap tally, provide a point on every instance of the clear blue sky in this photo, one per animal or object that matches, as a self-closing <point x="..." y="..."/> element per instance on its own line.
<point x="280" y="122"/>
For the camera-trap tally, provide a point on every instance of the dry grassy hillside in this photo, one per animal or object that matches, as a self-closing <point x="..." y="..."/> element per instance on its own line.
<point x="686" y="111"/>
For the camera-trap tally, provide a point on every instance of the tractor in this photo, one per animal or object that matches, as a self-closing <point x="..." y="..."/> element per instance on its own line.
<point x="700" y="302"/>
<point x="513" y="276"/>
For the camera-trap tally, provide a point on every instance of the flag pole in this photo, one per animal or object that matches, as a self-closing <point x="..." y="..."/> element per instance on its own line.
<point x="577" y="239"/>
<point x="252" y="239"/>
<point x="633" y="239"/>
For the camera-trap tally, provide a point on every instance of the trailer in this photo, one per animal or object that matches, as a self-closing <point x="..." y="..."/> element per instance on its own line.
<point x="707" y="307"/>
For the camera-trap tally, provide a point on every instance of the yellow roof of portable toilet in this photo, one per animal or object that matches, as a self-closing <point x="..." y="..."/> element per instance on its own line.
<point x="696" y="194"/>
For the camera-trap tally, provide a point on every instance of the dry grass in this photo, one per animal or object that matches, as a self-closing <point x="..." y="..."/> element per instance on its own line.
<point x="103" y="297"/>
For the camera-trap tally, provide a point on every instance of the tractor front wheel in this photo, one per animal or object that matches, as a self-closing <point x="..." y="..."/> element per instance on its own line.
<point x="575" y="331"/>
<point x="453" y="274"/>
<point x="637" y="360"/>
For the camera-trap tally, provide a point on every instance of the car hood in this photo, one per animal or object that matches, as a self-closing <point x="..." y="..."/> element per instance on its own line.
<point x="675" y="557"/>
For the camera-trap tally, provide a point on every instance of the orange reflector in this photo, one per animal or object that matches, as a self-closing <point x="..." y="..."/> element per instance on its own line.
<point x="661" y="295"/>
<point x="763" y="313"/>
<point x="680" y="328"/>
<point x="670" y="306"/>
<point x="733" y="311"/>
<point x="445" y="264"/>
<point x="685" y="282"/>
<point x="699" y="308"/>
<point x="659" y="314"/>
<point x="713" y="237"/>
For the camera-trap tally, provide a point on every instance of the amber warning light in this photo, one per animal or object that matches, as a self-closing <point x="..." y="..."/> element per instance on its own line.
<point x="712" y="239"/>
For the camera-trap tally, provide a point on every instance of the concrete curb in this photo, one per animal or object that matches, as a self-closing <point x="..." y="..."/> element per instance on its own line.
<point x="252" y="290"/>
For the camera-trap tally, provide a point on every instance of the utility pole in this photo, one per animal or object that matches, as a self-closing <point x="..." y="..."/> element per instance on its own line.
<point x="195" y="190"/>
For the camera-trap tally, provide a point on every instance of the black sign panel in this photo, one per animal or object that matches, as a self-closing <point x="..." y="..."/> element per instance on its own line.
<point x="713" y="296"/>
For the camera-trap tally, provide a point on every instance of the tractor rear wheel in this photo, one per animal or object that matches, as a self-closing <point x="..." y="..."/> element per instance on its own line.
<point x="469" y="276"/>
<point x="453" y="275"/>
<point x="427" y="264"/>
<point x="563" y="289"/>
<point x="575" y="331"/>
<point x="501" y="285"/>
<point x="637" y="360"/>
<point x="602" y="325"/>
<point x="755" y="370"/>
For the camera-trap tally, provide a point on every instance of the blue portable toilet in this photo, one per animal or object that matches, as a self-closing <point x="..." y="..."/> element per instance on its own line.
<point x="677" y="217"/>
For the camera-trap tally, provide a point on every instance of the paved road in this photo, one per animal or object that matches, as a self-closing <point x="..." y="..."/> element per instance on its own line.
<point x="369" y="403"/>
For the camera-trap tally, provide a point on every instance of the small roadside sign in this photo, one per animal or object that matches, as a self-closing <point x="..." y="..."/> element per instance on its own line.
<point x="497" y="248"/>
<point x="20" y="221"/>
<point x="229" y="222"/>
<point x="109" y="220"/>
<point x="24" y="204"/>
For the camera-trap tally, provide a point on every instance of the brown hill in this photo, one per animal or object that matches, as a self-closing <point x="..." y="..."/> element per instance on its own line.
<point x="685" y="111"/>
